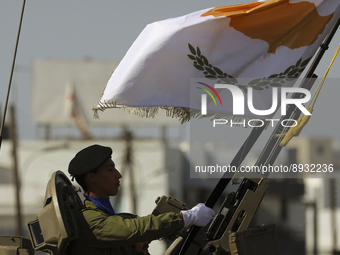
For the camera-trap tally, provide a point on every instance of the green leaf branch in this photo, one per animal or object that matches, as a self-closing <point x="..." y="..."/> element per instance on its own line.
<point x="201" y="63"/>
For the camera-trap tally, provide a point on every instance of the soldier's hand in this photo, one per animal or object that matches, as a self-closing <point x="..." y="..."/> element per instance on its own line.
<point x="200" y="215"/>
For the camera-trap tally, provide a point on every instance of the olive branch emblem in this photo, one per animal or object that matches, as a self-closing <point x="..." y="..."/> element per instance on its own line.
<point x="214" y="73"/>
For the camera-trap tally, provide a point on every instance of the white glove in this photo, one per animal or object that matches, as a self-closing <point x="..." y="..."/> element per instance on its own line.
<point x="200" y="215"/>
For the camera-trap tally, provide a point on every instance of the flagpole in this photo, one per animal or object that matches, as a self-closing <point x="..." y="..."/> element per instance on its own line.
<point x="12" y="71"/>
<point x="271" y="149"/>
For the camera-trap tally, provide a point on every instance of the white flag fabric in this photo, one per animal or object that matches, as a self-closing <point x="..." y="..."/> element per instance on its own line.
<point x="260" y="45"/>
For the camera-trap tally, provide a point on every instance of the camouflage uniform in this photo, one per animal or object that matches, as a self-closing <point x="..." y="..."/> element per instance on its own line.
<point x="103" y="234"/>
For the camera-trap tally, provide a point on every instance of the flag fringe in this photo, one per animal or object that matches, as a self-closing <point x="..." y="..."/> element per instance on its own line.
<point x="184" y="114"/>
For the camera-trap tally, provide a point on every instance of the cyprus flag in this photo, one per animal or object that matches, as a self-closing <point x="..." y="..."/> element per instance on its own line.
<point x="260" y="45"/>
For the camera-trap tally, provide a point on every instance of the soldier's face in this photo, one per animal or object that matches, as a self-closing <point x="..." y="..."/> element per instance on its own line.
<point x="107" y="179"/>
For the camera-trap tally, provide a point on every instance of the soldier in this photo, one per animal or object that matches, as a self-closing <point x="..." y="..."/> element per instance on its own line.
<point x="104" y="232"/>
<point x="142" y="247"/>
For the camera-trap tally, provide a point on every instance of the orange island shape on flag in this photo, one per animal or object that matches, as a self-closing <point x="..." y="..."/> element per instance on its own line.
<point x="294" y="20"/>
<point x="260" y="48"/>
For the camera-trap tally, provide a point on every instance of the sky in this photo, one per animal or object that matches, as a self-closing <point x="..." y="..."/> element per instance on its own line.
<point x="104" y="30"/>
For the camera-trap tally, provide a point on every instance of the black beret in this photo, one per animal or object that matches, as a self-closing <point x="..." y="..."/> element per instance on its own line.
<point x="89" y="159"/>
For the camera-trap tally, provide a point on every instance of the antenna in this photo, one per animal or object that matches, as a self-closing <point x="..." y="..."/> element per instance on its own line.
<point x="12" y="71"/>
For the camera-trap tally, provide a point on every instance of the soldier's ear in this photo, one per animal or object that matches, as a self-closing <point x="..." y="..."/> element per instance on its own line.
<point x="90" y="177"/>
